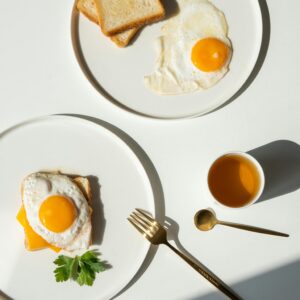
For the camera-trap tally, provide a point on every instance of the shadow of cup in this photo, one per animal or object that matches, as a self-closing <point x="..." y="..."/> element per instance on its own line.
<point x="280" y="161"/>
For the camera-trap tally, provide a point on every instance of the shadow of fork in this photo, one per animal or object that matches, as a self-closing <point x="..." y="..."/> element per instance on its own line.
<point x="173" y="233"/>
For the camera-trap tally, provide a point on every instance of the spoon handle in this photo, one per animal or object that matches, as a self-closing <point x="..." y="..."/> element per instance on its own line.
<point x="253" y="228"/>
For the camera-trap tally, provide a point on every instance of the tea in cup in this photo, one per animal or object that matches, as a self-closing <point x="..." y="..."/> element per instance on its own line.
<point x="236" y="179"/>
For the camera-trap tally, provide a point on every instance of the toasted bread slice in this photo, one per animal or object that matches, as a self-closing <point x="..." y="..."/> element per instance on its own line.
<point x="89" y="9"/>
<point x="116" y="16"/>
<point x="84" y="184"/>
<point x="123" y="39"/>
<point x="85" y="235"/>
<point x="35" y="242"/>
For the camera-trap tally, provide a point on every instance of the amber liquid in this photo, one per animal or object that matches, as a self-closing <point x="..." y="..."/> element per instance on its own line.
<point x="234" y="180"/>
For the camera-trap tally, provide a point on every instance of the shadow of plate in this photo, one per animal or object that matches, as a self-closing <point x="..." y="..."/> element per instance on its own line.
<point x="266" y="24"/>
<point x="154" y="181"/>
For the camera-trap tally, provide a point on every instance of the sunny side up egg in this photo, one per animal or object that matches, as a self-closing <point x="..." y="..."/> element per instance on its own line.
<point x="55" y="210"/>
<point x="193" y="51"/>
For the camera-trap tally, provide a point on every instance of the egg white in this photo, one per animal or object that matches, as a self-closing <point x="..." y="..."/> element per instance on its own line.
<point x="174" y="71"/>
<point x="38" y="187"/>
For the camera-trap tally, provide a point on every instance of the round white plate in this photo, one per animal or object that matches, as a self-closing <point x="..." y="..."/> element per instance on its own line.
<point x="118" y="73"/>
<point x="74" y="146"/>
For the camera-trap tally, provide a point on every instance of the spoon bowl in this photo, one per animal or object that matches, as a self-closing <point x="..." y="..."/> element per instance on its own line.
<point x="205" y="220"/>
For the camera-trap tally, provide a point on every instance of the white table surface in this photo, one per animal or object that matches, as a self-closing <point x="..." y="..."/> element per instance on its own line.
<point x="39" y="75"/>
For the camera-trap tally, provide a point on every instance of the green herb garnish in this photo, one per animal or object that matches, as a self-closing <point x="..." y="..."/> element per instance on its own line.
<point x="82" y="268"/>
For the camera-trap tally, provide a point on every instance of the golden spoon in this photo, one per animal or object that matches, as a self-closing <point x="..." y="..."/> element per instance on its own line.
<point x="206" y="220"/>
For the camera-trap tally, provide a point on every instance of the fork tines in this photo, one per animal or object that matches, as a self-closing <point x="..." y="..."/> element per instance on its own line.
<point x="144" y="223"/>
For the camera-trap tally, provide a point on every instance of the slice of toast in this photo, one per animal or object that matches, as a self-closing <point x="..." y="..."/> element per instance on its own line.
<point x="123" y="39"/>
<point x="115" y="16"/>
<point x="84" y="185"/>
<point x="84" y="236"/>
<point x="89" y="9"/>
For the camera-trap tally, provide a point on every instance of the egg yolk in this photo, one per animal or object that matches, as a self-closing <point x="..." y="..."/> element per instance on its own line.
<point x="57" y="213"/>
<point x="209" y="54"/>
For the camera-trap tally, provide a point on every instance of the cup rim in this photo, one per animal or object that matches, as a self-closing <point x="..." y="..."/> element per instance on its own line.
<point x="260" y="172"/>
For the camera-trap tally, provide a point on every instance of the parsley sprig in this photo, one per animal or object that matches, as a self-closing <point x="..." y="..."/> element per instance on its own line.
<point x="81" y="269"/>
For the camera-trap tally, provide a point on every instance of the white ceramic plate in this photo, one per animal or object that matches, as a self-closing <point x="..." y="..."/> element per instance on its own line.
<point x="118" y="73"/>
<point x="74" y="146"/>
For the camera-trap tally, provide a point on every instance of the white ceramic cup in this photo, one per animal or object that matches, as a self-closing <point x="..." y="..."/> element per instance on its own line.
<point x="260" y="173"/>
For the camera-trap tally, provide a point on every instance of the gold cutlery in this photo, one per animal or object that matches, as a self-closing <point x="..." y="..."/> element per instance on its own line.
<point x="156" y="234"/>
<point x="206" y="220"/>
<point x="4" y="296"/>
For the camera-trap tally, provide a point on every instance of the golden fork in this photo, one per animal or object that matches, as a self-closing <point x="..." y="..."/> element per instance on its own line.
<point x="156" y="234"/>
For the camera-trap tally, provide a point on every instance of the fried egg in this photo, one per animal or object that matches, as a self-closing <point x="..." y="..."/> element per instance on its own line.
<point x="193" y="51"/>
<point x="57" y="210"/>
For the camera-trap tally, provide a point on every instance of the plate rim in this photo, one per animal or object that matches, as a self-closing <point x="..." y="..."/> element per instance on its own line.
<point x="81" y="62"/>
<point x="146" y="246"/>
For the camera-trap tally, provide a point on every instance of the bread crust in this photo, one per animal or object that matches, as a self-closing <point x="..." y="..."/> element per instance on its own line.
<point x="121" y="42"/>
<point x="137" y="23"/>
<point x="84" y="185"/>
<point x="117" y="38"/>
<point x="83" y="10"/>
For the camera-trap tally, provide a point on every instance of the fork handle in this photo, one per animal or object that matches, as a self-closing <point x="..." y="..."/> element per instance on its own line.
<point x="209" y="276"/>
